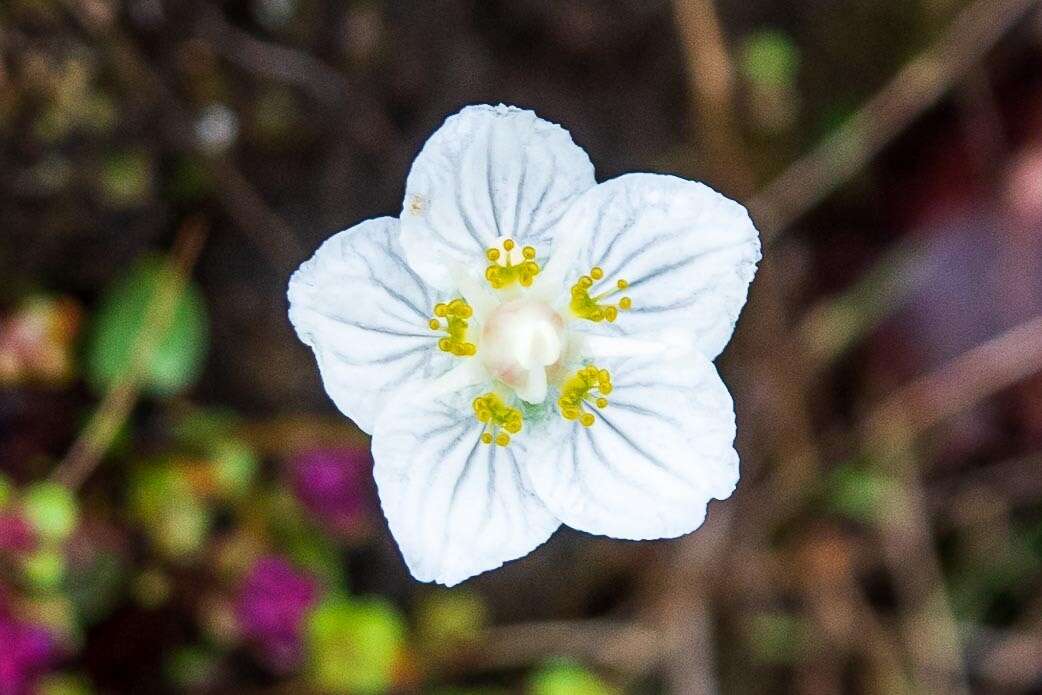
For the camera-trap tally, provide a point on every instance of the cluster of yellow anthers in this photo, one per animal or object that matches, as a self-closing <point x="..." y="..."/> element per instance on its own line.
<point x="588" y="385"/>
<point x="496" y="415"/>
<point x="455" y="315"/>
<point x="501" y="271"/>
<point x="587" y="307"/>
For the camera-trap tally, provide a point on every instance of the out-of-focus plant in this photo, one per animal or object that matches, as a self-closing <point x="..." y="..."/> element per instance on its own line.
<point x="28" y="651"/>
<point x="769" y="61"/>
<point x="356" y="645"/>
<point x="271" y="607"/>
<point x="119" y="320"/>
<point x="448" y="621"/>
<point x="335" y="486"/>
<point x="36" y="341"/>
<point x="564" y="677"/>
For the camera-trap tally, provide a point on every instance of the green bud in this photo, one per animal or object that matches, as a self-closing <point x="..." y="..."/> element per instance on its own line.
<point x="44" y="569"/>
<point x="51" y="509"/>
<point x="567" y="678"/>
<point x="234" y="467"/>
<point x="354" y="645"/>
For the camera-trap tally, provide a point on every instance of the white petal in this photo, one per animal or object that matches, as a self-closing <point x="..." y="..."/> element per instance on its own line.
<point x="488" y="172"/>
<point x="456" y="506"/>
<point x="687" y="252"/>
<point x="654" y="457"/>
<point x="364" y="312"/>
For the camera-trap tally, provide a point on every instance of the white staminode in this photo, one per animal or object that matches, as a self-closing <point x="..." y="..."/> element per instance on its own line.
<point x="520" y="340"/>
<point x="529" y="347"/>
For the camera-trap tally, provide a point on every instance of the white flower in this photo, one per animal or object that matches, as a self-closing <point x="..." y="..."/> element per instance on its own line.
<point x="528" y="347"/>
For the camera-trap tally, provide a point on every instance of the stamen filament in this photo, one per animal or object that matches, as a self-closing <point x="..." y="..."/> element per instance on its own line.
<point x="589" y="308"/>
<point x="502" y="270"/>
<point x="590" y="385"/>
<point x="500" y="419"/>
<point x="456" y="315"/>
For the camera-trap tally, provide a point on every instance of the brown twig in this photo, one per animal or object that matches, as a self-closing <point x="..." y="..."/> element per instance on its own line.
<point x="890" y="432"/>
<point x="625" y="646"/>
<point x="915" y="88"/>
<point x="88" y="449"/>
<point x="711" y="92"/>
<point x="961" y="382"/>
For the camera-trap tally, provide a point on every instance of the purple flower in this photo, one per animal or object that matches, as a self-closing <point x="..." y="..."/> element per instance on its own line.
<point x="335" y="485"/>
<point x="271" y="606"/>
<point x="16" y="535"/>
<point x="27" y="651"/>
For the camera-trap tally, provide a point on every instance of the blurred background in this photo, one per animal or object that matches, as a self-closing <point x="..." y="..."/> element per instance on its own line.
<point x="183" y="510"/>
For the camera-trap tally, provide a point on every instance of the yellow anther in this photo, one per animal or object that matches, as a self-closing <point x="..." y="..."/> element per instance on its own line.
<point x="586" y="307"/>
<point x="500" y="419"/>
<point x="455" y="314"/>
<point x="588" y="385"/>
<point x="502" y="270"/>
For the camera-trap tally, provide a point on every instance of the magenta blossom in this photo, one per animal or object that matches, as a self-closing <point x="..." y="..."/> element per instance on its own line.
<point x="26" y="652"/>
<point x="272" y="603"/>
<point x="335" y="485"/>
<point x="16" y="535"/>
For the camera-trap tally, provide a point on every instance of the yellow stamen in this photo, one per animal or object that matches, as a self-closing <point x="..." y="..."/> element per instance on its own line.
<point x="503" y="272"/>
<point x="497" y="416"/>
<point x="456" y="314"/>
<point x="590" y="308"/>
<point x="588" y="385"/>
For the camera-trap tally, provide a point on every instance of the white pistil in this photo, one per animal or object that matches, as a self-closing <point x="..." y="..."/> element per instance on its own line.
<point x="519" y="341"/>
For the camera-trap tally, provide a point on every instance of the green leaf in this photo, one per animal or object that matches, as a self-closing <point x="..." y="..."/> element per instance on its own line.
<point x="44" y="569"/>
<point x="6" y="490"/>
<point x="305" y="545"/>
<point x="94" y="586"/>
<point x="191" y="667"/>
<point x="178" y="357"/>
<point x="777" y="637"/>
<point x="235" y="466"/>
<point x="354" y="645"/>
<point x="567" y="678"/>
<point x="51" y="510"/>
<point x="63" y="684"/>
<point x="769" y="58"/>
<point x="126" y="178"/>
<point x="859" y="493"/>
<point x="448" y="617"/>
<point x="162" y="502"/>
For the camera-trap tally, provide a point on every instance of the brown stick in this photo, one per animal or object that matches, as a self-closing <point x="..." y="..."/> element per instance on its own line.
<point x="86" y="452"/>
<point x="917" y="87"/>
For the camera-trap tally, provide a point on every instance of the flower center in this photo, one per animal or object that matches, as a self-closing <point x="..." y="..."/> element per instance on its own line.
<point x="519" y="340"/>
